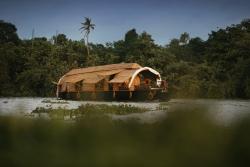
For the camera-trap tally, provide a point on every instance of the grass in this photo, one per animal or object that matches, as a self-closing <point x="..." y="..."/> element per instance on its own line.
<point x="88" y="110"/>
<point x="187" y="137"/>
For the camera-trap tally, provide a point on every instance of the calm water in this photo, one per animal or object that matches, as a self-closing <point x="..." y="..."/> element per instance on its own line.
<point x="221" y="110"/>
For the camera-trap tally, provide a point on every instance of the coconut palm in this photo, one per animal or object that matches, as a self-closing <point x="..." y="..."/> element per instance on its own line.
<point x="87" y="26"/>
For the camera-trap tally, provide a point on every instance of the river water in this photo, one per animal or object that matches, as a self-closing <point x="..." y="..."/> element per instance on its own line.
<point x="224" y="111"/>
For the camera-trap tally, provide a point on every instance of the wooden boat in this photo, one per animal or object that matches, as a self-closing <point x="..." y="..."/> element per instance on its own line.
<point x="125" y="81"/>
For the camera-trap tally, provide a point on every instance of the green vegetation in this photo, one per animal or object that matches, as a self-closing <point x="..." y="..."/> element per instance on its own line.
<point x="187" y="137"/>
<point x="87" y="26"/>
<point x="84" y="111"/>
<point x="54" y="102"/>
<point x="216" y="68"/>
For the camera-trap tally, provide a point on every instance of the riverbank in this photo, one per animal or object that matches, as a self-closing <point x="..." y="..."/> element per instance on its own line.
<point x="223" y="111"/>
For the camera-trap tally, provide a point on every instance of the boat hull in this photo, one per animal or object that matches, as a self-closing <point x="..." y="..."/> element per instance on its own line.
<point x="117" y="96"/>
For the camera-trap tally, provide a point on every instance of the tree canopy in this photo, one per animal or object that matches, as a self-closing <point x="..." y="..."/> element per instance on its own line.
<point x="214" y="68"/>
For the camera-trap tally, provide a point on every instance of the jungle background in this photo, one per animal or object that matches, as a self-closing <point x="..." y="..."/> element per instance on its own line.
<point x="194" y="68"/>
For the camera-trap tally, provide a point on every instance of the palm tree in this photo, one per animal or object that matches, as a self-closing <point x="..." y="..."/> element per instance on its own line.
<point x="87" y="26"/>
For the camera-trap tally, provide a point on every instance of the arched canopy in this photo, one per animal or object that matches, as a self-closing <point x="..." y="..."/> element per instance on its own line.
<point x="141" y="70"/>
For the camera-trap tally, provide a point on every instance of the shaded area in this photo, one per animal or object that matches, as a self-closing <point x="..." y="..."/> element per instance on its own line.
<point x="187" y="137"/>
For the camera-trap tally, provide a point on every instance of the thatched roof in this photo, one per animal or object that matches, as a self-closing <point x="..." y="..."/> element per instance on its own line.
<point x="123" y="76"/>
<point x="123" y="73"/>
<point x="103" y="68"/>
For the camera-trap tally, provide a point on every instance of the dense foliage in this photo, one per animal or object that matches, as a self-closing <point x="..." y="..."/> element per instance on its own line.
<point x="186" y="137"/>
<point x="216" y="68"/>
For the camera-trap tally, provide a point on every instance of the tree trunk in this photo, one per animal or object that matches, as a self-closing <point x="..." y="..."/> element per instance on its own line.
<point x="87" y="46"/>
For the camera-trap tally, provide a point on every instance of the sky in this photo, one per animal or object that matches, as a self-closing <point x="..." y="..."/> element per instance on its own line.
<point x="163" y="19"/>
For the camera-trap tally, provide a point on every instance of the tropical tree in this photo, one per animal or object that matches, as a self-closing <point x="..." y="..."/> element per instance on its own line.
<point x="8" y="33"/>
<point x="87" y="26"/>
<point x="184" y="38"/>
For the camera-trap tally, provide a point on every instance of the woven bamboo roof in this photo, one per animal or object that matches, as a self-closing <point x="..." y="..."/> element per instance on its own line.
<point x="104" y="68"/>
<point x="123" y="76"/>
<point x="97" y="73"/>
<point x="113" y="73"/>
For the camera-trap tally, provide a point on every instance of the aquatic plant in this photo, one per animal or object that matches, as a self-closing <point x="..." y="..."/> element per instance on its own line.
<point x="89" y="110"/>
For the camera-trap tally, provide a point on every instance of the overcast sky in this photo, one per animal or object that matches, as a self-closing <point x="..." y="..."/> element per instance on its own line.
<point x="163" y="19"/>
